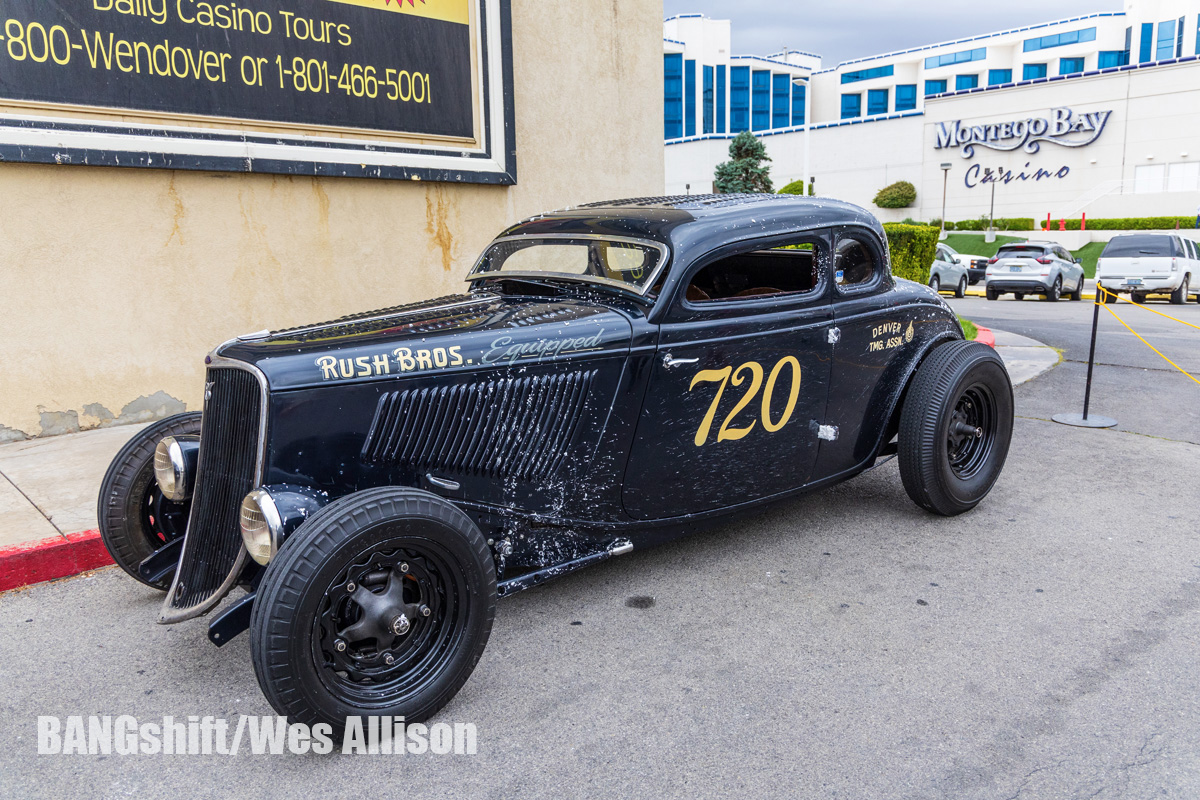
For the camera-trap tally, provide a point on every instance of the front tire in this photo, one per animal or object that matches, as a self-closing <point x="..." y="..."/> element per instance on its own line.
<point x="326" y="637"/>
<point x="955" y="428"/>
<point x="135" y="519"/>
<point x="935" y="283"/>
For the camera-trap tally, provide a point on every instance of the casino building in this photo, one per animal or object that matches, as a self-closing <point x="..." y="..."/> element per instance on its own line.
<point x="1096" y="115"/>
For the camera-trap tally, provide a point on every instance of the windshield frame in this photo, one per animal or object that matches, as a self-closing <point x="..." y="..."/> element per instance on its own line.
<point x="664" y="254"/>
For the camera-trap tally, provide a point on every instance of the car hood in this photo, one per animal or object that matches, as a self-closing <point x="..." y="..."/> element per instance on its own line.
<point x="461" y="333"/>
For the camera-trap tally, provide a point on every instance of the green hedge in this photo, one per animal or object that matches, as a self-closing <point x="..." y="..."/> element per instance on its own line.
<point x="900" y="194"/>
<point x="1130" y="224"/>
<point x="795" y="187"/>
<point x="912" y="248"/>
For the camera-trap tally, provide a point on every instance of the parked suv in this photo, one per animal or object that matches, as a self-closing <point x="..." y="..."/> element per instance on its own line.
<point x="1150" y="263"/>
<point x="947" y="272"/>
<point x="1043" y="268"/>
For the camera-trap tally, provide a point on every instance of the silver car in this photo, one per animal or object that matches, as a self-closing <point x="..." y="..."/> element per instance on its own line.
<point x="1043" y="268"/>
<point x="948" y="272"/>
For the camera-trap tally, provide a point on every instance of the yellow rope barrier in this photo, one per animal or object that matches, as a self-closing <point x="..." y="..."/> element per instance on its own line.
<point x="1100" y="289"/>
<point x="1100" y="303"/>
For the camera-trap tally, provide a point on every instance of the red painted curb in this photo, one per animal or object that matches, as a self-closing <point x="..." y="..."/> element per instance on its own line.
<point x="985" y="336"/>
<point x="48" y="559"/>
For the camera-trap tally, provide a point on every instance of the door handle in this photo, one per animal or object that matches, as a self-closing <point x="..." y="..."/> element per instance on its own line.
<point x="670" y="361"/>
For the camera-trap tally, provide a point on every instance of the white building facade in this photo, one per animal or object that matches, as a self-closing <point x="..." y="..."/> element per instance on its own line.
<point x="1095" y="115"/>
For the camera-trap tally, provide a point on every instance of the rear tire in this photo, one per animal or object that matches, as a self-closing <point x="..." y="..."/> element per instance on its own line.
<point x="1078" y="293"/>
<point x="990" y="293"/>
<point x="1180" y="295"/>
<point x="1018" y="295"/>
<point x="1054" y="292"/>
<point x="323" y="651"/>
<point x="961" y="291"/>
<point x="1109" y="295"/>
<point x="1138" y="298"/>
<point x="955" y="427"/>
<point x="135" y="519"/>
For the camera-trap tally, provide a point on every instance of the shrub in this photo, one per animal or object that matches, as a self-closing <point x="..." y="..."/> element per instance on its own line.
<point x="912" y="249"/>
<point x="795" y="187"/>
<point x="744" y="172"/>
<point x="1130" y="223"/>
<point x="900" y="194"/>
<point x="1015" y="223"/>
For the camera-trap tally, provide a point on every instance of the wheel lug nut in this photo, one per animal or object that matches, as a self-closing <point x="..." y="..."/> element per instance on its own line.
<point x="403" y="567"/>
<point x="425" y="611"/>
<point x="350" y="587"/>
<point x="340" y="646"/>
<point x="389" y="659"/>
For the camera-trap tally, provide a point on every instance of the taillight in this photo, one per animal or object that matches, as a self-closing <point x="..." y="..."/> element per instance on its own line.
<point x="993" y="260"/>
<point x="1045" y="260"/>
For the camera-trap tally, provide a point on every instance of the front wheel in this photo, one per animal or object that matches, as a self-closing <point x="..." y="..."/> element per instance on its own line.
<point x="935" y="283"/>
<point x="379" y="605"/>
<point x="955" y="428"/>
<point x="961" y="291"/>
<point x="135" y="518"/>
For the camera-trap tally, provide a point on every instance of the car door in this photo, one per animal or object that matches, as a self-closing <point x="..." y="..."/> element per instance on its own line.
<point x="1072" y="272"/>
<point x="737" y="389"/>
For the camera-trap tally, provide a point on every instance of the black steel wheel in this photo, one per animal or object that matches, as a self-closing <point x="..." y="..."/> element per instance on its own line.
<point x="379" y="605"/>
<point x="955" y="427"/>
<point x="961" y="291"/>
<point x="135" y="518"/>
<point x="1055" y="291"/>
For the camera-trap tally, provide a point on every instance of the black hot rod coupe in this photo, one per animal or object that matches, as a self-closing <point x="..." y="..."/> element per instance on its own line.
<point x="617" y="375"/>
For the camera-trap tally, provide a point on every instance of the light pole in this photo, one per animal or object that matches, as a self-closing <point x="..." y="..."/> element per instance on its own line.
<point x="991" y="231"/>
<point x="945" y="185"/>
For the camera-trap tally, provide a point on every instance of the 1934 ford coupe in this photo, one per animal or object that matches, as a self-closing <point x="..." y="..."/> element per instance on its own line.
<point x="617" y="375"/>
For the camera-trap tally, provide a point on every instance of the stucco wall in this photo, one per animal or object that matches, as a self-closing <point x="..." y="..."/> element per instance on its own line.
<point x="117" y="282"/>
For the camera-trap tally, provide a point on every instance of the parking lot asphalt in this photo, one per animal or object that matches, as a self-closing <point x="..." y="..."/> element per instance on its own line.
<point x="844" y="645"/>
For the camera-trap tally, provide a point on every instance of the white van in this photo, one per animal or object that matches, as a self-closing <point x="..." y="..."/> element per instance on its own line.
<point x="1150" y="263"/>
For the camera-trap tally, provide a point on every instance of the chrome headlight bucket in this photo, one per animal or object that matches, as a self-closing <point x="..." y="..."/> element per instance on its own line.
<point x="175" y="466"/>
<point x="269" y="514"/>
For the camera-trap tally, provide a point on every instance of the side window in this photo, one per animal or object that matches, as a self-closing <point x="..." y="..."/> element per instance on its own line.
<point x="791" y="269"/>
<point x="853" y="263"/>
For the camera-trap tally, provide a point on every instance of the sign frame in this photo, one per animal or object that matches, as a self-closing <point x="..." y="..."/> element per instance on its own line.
<point x="71" y="140"/>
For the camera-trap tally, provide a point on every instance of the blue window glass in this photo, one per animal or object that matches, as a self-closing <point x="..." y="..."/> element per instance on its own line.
<point x="1060" y="39"/>
<point x="761" y="100"/>
<point x="689" y="97"/>
<point x="781" y="101"/>
<point x="1179" y="38"/>
<point x="1198" y="35"/>
<point x="1033" y="72"/>
<point x="673" y="96"/>
<point x="799" y="93"/>
<point x="1113" y="58"/>
<point x="935" y="87"/>
<point x="851" y="106"/>
<point x="877" y="101"/>
<point x="721" y="98"/>
<point x="1166" y="41"/>
<point x="867" y="74"/>
<point x="906" y="97"/>
<point x="739" y="99"/>
<point x="1070" y="66"/>
<point x="962" y="57"/>
<point x="708" y="100"/>
<point x="964" y="82"/>
<point x="1146" y="45"/>
<point x="999" y="76"/>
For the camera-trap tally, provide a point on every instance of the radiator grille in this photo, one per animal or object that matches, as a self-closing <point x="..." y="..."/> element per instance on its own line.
<point x="229" y="447"/>
<point x="517" y="427"/>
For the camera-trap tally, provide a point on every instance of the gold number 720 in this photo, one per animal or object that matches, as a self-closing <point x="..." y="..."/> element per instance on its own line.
<point x="755" y="370"/>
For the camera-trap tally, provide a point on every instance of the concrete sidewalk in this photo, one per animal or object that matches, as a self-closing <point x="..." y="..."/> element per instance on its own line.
<point x="48" y="487"/>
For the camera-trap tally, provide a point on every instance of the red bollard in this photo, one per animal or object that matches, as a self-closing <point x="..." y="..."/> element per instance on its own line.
<point x="1047" y="228"/>
<point x="1083" y="223"/>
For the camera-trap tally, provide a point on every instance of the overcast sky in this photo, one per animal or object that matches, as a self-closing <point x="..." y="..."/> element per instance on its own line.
<point x="840" y="30"/>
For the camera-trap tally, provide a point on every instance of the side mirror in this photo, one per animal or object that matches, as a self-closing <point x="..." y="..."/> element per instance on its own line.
<point x="957" y="260"/>
<point x="1079" y="261"/>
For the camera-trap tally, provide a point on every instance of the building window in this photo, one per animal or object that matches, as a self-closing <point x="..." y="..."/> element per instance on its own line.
<point x="962" y="57"/>
<point x="1179" y="38"/>
<point x="673" y="96"/>
<point x="1060" y="39"/>
<point x="799" y="93"/>
<point x="761" y="100"/>
<point x="1150" y="178"/>
<point x="1070" y="66"/>
<point x="1166" y="41"/>
<point x="1113" y="58"/>
<point x="1198" y="35"/>
<point x="1183" y="177"/>
<point x="689" y="97"/>
<point x="1033" y="72"/>
<point x="964" y="82"/>
<point x="721" y="98"/>
<point x="935" y="87"/>
<point x="1146" y="45"/>
<point x="709" y="110"/>
<point x="739" y="99"/>
<point x="877" y="101"/>
<point x="999" y="76"/>
<point x="867" y="74"/>
<point x="906" y="97"/>
<point x="851" y="106"/>
<point x="781" y="100"/>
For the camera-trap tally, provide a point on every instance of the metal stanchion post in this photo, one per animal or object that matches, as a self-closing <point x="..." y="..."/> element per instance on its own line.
<point x="1083" y="420"/>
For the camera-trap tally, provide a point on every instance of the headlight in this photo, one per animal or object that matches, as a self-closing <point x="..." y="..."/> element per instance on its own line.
<point x="262" y="529"/>
<point x="174" y="463"/>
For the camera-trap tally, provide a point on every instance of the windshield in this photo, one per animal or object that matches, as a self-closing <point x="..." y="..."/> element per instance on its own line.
<point x="1126" y="246"/>
<point x="1021" y="251"/>
<point x="625" y="263"/>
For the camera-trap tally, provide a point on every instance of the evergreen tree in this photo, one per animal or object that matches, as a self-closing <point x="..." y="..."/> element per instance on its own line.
<point x="744" y="172"/>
